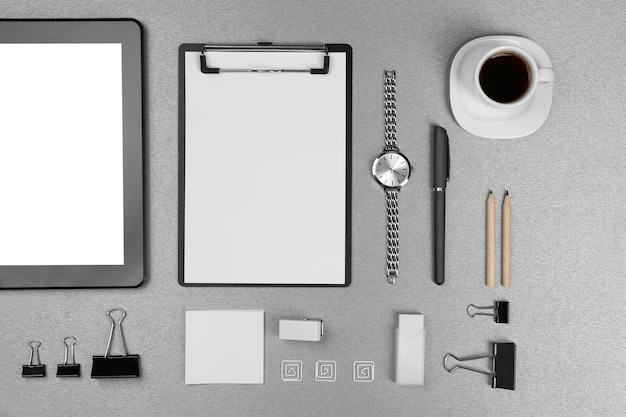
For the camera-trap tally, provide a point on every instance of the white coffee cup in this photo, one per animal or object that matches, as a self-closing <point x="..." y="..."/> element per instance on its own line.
<point x="536" y="75"/>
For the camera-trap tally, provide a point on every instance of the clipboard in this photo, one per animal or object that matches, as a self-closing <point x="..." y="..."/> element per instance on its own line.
<point x="265" y="139"/>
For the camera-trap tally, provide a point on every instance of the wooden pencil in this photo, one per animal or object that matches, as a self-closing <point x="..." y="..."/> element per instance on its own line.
<point x="491" y="240"/>
<point x="506" y="241"/>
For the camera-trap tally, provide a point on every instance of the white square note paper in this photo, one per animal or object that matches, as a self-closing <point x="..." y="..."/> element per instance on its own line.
<point x="224" y="347"/>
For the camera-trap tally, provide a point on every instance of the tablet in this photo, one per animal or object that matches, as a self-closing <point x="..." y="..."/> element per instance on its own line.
<point x="71" y="154"/>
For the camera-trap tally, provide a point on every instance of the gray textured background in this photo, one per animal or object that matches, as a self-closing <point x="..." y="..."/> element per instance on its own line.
<point x="566" y="182"/>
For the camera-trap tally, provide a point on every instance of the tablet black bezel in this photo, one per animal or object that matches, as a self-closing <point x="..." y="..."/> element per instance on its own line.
<point x="128" y="32"/>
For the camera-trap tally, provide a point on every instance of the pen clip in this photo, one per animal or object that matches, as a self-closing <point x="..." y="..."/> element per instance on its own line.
<point x="448" y="179"/>
<point x="448" y="151"/>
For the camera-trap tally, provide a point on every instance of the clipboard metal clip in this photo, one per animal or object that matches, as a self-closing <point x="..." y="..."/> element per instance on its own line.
<point x="264" y="47"/>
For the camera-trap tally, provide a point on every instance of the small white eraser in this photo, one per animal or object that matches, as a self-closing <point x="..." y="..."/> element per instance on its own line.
<point x="309" y="330"/>
<point x="410" y="349"/>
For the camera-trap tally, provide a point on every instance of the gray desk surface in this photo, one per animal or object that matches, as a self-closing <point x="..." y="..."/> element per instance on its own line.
<point x="569" y="227"/>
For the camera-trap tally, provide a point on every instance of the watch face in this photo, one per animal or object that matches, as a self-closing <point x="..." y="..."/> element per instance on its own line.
<point x="392" y="169"/>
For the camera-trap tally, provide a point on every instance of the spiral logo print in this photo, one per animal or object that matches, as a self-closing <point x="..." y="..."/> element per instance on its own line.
<point x="326" y="371"/>
<point x="363" y="371"/>
<point x="291" y="371"/>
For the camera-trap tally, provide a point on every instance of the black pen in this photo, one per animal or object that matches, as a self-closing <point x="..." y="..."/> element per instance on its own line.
<point x="441" y="176"/>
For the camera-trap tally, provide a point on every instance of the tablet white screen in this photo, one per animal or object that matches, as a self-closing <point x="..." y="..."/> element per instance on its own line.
<point x="61" y="154"/>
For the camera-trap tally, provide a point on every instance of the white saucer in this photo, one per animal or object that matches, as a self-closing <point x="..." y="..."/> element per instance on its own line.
<point x="480" y="118"/>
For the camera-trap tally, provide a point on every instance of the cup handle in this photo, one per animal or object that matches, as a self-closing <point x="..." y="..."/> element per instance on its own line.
<point x="546" y="75"/>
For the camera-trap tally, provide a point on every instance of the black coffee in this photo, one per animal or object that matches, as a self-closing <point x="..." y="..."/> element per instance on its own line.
<point x="505" y="77"/>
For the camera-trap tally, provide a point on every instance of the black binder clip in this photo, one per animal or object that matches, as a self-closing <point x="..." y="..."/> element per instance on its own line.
<point x="115" y="366"/>
<point x="34" y="367"/>
<point x="500" y="311"/>
<point x="502" y="365"/>
<point x="69" y="367"/>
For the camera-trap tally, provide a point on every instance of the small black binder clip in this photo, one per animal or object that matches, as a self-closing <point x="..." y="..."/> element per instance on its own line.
<point x="34" y="367"/>
<point x="115" y="366"/>
<point x="69" y="367"/>
<point x="502" y="365"/>
<point x="500" y="311"/>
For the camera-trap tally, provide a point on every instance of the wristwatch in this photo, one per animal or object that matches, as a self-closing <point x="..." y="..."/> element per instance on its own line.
<point x="392" y="170"/>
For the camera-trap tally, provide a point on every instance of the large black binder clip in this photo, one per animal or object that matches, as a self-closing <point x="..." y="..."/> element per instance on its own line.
<point x="500" y="312"/>
<point x="69" y="367"/>
<point x="115" y="366"/>
<point x="502" y="365"/>
<point x="34" y="367"/>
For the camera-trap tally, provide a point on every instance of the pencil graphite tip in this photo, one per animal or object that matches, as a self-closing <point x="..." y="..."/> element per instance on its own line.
<point x="507" y="192"/>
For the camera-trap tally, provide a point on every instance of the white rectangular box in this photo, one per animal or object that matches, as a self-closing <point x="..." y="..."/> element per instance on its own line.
<point x="309" y="330"/>
<point x="410" y="349"/>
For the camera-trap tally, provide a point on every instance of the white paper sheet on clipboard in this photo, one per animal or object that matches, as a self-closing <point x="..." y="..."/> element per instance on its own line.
<point x="266" y="191"/>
